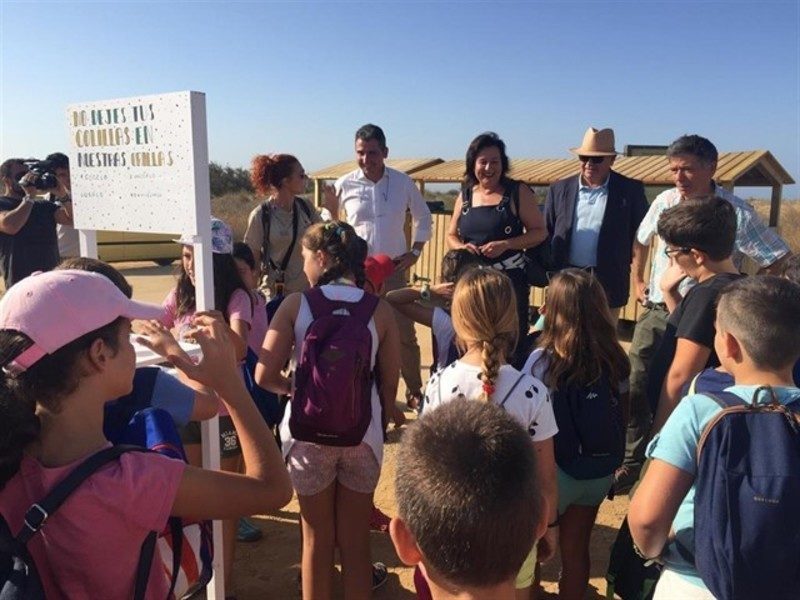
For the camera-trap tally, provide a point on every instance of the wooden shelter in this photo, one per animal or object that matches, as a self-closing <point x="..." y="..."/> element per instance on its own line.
<point x="756" y="168"/>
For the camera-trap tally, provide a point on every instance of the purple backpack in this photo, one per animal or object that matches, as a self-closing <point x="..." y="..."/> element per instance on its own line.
<point x="332" y="402"/>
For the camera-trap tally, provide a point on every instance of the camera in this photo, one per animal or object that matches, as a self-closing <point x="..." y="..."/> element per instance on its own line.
<point x="45" y="178"/>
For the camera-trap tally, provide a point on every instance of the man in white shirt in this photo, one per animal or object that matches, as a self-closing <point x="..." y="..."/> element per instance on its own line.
<point x="374" y="199"/>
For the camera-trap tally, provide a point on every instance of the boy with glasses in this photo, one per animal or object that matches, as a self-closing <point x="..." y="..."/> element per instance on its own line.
<point x="699" y="237"/>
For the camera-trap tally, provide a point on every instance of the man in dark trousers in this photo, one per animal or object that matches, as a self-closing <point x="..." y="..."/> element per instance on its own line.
<point x="592" y="217"/>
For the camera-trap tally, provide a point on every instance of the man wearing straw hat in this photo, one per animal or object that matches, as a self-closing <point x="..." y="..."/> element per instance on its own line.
<point x="592" y="217"/>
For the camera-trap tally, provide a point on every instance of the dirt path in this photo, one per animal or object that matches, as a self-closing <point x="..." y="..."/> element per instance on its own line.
<point x="269" y="568"/>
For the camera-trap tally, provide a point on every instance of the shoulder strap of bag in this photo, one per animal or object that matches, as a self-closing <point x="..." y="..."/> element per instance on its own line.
<point x="511" y="391"/>
<point x="39" y="512"/>
<point x="143" y="567"/>
<point x="466" y="198"/>
<point x="265" y="229"/>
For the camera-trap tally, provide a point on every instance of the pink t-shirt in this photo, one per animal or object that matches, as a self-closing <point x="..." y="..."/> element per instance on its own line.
<point x="259" y="325"/>
<point x="239" y="308"/>
<point x="90" y="547"/>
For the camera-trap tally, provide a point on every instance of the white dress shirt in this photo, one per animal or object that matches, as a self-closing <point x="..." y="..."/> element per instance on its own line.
<point x="377" y="211"/>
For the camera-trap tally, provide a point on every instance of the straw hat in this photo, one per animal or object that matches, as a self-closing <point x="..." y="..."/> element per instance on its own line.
<point x="596" y="143"/>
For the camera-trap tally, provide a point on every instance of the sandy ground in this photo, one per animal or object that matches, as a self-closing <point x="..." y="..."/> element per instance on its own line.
<point x="268" y="568"/>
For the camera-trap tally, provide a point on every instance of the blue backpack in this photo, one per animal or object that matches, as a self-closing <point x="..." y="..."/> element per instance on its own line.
<point x="747" y="494"/>
<point x="185" y="546"/>
<point x="590" y="442"/>
<point x="267" y="403"/>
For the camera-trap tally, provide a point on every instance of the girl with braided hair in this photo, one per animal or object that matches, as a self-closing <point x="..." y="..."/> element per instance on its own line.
<point x="334" y="484"/>
<point x="484" y="312"/>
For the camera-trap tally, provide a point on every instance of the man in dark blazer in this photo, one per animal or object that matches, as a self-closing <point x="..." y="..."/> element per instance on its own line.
<point x="592" y="217"/>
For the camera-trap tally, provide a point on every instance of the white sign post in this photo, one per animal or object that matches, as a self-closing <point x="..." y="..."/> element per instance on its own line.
<point x="141" y="165"/>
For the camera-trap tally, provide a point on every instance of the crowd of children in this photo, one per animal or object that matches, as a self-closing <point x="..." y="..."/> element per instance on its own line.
<point x="505" y="468"/>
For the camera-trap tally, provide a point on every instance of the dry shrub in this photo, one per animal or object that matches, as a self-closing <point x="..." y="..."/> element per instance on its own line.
<point x="789" y="223"/>
<point x="234" y="208"/>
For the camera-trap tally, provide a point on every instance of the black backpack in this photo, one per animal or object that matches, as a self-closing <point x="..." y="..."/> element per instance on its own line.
<point x="590" y="442"/>
<point x="19" y="578"/>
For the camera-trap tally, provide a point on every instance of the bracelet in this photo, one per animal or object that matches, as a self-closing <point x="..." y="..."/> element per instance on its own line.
<point x="554" y="523"/>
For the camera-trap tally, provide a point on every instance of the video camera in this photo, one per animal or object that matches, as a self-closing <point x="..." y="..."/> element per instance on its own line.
<point x="45" y="177"/>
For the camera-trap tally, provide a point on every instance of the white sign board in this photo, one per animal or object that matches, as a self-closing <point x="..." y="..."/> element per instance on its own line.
<point x="140" y="164"/>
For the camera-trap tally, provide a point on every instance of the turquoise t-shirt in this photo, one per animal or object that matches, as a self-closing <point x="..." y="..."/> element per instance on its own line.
<point x="676" y="444"/>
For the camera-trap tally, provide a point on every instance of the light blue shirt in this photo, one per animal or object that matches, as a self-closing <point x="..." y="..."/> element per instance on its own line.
<point x="676" y="444"/>
<point x="589" y="210"/>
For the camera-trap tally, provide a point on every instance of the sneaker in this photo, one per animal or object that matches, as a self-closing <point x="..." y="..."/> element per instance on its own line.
<point x="380" y="575"/>
<point x="379" y="521"/>
<point x="247" y="532"/>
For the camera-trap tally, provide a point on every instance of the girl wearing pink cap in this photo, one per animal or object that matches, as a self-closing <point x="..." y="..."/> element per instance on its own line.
<point x="65" y="351"/>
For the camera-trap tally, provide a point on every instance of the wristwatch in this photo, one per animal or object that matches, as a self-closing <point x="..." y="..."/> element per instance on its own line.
<point x="416" y="252"/>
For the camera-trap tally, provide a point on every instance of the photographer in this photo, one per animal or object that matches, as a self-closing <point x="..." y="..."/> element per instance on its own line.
<point x="28" y="241"/>
<point x="68" y="245"/>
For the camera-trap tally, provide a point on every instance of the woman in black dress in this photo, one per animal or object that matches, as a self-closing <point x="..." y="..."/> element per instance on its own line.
<point x="497" y="218"/>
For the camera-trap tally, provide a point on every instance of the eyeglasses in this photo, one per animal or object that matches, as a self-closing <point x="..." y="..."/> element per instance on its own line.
<point x="595" y="160"/>
<point x="670" y="252"/>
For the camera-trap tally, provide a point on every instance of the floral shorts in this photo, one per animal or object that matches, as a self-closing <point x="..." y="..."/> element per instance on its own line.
<point x="313" y="467"/>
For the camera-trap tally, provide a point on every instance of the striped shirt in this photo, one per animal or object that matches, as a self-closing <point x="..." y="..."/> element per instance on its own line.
<point x="753" y="238"/>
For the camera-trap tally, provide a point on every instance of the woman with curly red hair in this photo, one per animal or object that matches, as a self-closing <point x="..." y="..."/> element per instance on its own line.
<point x="276" y="226"/>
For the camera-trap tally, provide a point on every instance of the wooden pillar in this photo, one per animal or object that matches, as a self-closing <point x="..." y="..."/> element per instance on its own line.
<point x="775" y="205"/>
<point x="317" y="193"/>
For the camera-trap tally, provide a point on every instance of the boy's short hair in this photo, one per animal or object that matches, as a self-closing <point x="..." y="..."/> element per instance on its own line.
<point x="93" y="265"/>
<point x="467" y="492"/>
<point x="708" y="225"/>
<point x="763" y="313"/>
<point x="455" y="262"/>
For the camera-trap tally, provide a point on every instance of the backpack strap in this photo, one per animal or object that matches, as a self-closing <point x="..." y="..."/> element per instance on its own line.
<point x="39" y="512"/>
<point x="265" y="229"/>
<point x="513" y="387"/>
<point x="726" y="399"/>
<point x="143" y="566"/>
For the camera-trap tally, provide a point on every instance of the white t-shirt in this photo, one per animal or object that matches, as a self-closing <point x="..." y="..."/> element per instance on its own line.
<point x="442" y="327"/>
<point x="343" y="293"/>
<point x="528" y="402"/>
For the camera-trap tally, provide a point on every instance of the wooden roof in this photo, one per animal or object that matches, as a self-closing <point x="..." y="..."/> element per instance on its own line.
<point x="753" y="168"/>
<point x="406" y="165"/>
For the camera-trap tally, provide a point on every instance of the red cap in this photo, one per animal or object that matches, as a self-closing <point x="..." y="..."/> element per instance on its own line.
<point x="378" y="268"/>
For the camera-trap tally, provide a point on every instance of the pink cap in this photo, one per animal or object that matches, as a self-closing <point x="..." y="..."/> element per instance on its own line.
<point x="58" y="307"/>
<point x="378" y="268"/>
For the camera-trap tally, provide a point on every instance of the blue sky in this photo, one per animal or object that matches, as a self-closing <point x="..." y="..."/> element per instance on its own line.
<point x="300" y="77"/>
